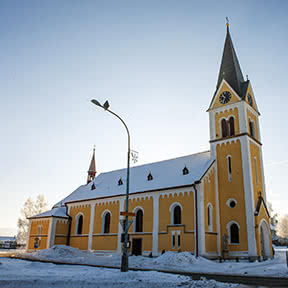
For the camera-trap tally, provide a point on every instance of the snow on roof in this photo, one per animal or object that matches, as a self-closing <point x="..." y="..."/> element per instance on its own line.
<point x="166" y="174"/>
<point x="54" y="212"/>
<point x="7" y="238"/>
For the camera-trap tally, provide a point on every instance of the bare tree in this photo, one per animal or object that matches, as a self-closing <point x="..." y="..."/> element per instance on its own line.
<point x="282" y="227"/>
<point x="29" y="209"/>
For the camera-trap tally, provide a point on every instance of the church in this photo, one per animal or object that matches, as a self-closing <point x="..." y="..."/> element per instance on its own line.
<point x="211" y="203"/>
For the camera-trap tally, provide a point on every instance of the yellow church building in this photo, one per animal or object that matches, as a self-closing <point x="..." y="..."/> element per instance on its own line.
<point x="212" y="203"/>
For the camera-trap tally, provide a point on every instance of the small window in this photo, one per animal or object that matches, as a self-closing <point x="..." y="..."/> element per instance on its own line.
<point x="120" y="182"/>
<point x="107" y="219"/>
<point x="234" y="234"/>
<point x="177" y="215"/>
<point x="224" y="128"/>
<point x="185" y="171"/>
<point x="79" y="224"/>
<point x="93" y="187"/>
<point x="229" y="164"/>
<point x="149" y="177"/>
<point x="173" y="240"/>
<point x="178" y="241"/>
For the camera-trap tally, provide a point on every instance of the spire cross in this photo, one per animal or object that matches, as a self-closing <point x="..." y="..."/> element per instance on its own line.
<point x="227" y="24"/>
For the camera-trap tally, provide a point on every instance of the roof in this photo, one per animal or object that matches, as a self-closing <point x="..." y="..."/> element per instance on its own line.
<point x="7" y="238"/>
<point x="54" y="212"/>
<point x="166" y="175"/>
<point x="230" y="68"/>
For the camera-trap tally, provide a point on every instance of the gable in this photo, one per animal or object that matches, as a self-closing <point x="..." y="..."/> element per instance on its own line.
<point x="249" y="91"/>
<point x="260" y="206"/>
<point x="215" y="103"/>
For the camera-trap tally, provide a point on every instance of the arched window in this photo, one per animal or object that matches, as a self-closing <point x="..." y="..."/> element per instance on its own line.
<point x="79" y="224"/>
<point x="139" y="221"/>
<point x="234" y="234"/>
<point x="106" y="222"/>
<point x="210" y="217"/>
<point x="224" y="128"/>
<point x="177" y="215"/>
<point x="231" y="126"/>
<point x="252" y="128"/>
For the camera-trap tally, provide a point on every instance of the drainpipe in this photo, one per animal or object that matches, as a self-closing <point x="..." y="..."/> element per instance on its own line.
<point x="196" y="216"/>
<point x="69" y="226"/>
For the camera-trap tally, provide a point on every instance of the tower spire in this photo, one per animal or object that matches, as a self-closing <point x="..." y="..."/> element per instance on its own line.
<point x="230" y="68"/>
<point x="92" y="168"/>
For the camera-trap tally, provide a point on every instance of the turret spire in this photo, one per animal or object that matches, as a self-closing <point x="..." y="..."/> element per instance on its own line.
<point x="92" y="168"/>
<point x="230" y="68"/>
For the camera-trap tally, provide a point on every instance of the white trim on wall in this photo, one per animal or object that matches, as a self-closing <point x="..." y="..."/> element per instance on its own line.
<point x="91" y="226"/>
<point x="155" y="224"/>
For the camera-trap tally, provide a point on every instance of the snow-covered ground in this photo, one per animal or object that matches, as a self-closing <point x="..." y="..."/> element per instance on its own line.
<point x="16" y="273"/>
<point x="169" y="261"/>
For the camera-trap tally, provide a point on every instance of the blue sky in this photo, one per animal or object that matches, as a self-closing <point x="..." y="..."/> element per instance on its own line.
<point x="156" y="61"/>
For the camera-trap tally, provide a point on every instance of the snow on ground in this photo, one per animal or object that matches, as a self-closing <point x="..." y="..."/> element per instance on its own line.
<point x="183" y="261"/>
<point x="25" y="274"/>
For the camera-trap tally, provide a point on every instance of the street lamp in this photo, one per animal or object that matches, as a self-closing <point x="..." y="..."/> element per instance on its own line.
<point x="124" y="260"/>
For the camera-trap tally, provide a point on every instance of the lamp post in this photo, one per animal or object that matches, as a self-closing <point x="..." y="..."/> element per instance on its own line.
<point x="124" y="260"/>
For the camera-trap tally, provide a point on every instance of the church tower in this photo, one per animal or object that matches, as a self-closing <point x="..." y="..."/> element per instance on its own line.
<point x="92" y="169"/>
<point x="235" y="143"/>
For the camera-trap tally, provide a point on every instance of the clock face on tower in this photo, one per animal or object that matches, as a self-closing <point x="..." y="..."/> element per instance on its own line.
<point x="225" y="97"/>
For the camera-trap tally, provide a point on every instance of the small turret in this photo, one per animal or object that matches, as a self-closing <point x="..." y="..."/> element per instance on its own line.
<point x="92" y="168"/>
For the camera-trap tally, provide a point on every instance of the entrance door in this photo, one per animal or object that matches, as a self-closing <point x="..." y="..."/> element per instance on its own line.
<point x="137" y="246"/>
<point x="265" y="242"/>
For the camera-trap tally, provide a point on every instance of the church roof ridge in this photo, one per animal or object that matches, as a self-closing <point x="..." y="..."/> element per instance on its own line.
<point x="158" y="162"/>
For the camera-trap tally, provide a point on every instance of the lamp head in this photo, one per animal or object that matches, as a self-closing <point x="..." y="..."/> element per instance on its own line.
<point x="94" y="101"/>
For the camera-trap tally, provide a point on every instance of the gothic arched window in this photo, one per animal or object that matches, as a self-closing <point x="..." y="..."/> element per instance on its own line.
<point x="79" y="224"/>
<point x="234" y="234"/>
<point x="231" y="126"/>
<point x="106" y="222"/>
<point x="177" y="215"/>
<point x="139" y="221"/>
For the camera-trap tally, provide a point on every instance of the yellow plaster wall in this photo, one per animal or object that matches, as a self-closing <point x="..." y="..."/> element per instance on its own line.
<point x="43" y="236"/>
<point x="61" y="232"/>
<point x="113" y="207"/>
<point x="85" y="209"/>
<point x="226" y="114"/>
<point x="254" y="118"/>
<point x="80" y="242"/>
<point x="233" y="189"/>
<point x="104" y="242"/>
<point x="62" y="227"/>
<point x="187" y="216"/>
<point x="210" y="197"/>
<point x="210" y="242"/>
<point x="234" y="97"/>
<point x="255" y="152"/>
